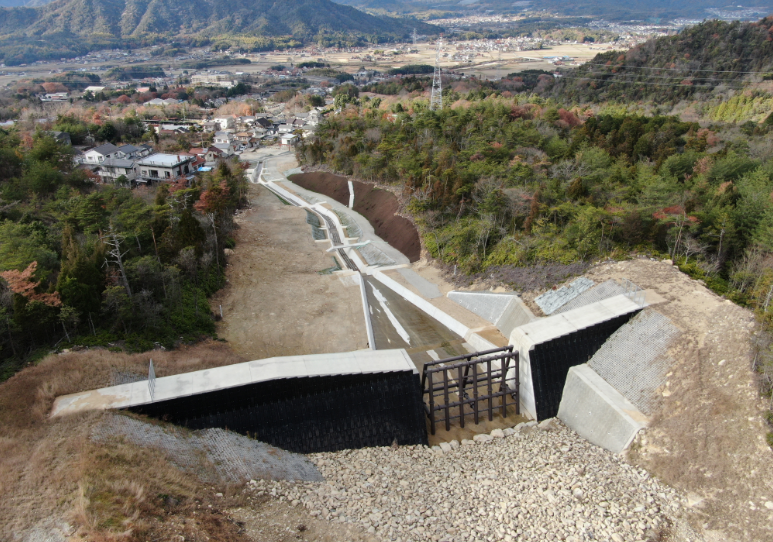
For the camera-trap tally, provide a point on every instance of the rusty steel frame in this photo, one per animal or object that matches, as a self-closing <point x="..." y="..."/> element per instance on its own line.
<point x="463" y="381"/>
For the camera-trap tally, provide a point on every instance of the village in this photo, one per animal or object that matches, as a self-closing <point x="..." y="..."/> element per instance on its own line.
<point x="284" y="93"/>
<point x="130" y="165"/>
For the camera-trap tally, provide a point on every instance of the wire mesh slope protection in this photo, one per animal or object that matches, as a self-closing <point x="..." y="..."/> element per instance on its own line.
<point x="634" y="360"/>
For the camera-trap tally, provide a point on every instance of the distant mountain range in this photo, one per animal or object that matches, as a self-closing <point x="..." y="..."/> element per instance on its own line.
<point x="131" y="18"/>
<point x="69" y="28"/>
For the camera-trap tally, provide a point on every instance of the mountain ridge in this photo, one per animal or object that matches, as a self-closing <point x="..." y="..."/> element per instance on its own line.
<point x="133" y="18"/>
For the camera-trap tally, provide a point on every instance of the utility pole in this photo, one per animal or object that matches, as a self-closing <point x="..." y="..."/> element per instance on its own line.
<point x="436" y="100"/>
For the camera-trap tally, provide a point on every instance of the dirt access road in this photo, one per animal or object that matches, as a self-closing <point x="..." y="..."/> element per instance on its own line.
<point x="276" y="303"/>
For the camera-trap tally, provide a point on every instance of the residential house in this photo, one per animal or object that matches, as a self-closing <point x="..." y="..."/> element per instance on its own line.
<point x="227" y="149"/>
<point x="209" y="155"/>
<point x="224" y="137"/>
<point x="112" y="168"/>
<point x="287" y="140"/>
<point x="245" y="122"/>
<point x="210" y="126"/>
<point x="131" y="152"/>
<point x="197" y="160"/>
<point x="97" y="155"/>
<point x="229" y="121"/>
<point x="264" y="123"/>
<point x="163" y="167"/>
<point x="244" y="139"/>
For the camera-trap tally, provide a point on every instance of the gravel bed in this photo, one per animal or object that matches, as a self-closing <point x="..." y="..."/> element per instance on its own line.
<point x="532" y="482"/>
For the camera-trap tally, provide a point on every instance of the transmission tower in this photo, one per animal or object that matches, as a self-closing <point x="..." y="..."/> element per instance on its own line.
<point x="415" y="37"/>
<point x="436" y="100"/>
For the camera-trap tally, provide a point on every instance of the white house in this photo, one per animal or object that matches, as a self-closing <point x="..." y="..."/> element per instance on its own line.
<point x="112" y="168"/>
<point x="288" y="139"/>
<point x="163" y="167"/>
<point x="226" y="122"/>
<point x="97" y="155"/>
<point x="224" y="137"/>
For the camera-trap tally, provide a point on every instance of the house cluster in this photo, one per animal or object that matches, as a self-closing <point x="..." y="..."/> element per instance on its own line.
<point x="139" y="165"/>
<point x="234" y="133"/>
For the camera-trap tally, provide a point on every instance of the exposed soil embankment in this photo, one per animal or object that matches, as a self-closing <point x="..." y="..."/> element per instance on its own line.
<point x="378" y="206"/>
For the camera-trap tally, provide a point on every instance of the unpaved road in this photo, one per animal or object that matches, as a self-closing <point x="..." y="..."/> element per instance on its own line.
<point x="276" y="303"/>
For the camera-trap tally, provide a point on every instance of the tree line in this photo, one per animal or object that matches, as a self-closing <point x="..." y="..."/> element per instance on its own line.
<point x="91" y="264"/>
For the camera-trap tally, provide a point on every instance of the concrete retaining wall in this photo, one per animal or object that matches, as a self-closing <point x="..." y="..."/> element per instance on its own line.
<point x="598" y="412"/>
<point x="549" y="347"/>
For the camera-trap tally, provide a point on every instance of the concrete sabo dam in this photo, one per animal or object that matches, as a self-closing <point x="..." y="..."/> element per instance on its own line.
<point x="374" y="397"/>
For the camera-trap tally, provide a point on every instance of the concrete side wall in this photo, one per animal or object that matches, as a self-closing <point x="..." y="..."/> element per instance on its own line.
<point x="487" y="305"/>
<point x="526" y="388"/>
<point x="451" y="323"/>
<point x="505" y="311"/>
<point x="598" y="412"/>
<point x="515" y="314"/>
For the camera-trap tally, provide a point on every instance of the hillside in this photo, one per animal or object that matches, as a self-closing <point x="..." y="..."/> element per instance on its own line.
<point x="131" y="18"/>
<point x="71" y="27"/>
<point x="708" y="58"/>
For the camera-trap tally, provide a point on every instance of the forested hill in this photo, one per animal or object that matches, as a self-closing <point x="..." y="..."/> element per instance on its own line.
<point x="706" y="58"/>
<point x="131" y="18"/>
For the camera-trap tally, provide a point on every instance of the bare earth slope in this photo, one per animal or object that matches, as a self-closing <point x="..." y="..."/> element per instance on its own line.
<point x="708" y="438"/>
<point x="275" y="303"/>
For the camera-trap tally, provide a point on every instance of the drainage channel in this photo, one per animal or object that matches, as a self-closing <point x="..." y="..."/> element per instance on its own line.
<point x="336" y="240"/>
<point x="347" y="260"/>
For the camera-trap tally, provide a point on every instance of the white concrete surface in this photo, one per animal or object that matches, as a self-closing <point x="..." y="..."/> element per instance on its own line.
<point x="426" y="288"/>
<point x="505" y="310"/>
<point x="229" y="376"/>
<point x="368" y="233"/>
<point x="366" y="311"/>
<point x="451" y="323"/>
<point x="597" y="411"/>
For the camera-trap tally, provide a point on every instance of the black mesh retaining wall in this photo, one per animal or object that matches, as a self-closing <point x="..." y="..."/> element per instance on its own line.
<point x="551" y="361"/>
<point x="312" y="414"/>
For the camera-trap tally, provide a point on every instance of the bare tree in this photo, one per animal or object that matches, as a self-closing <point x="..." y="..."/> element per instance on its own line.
<point x="115" y="255"/>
